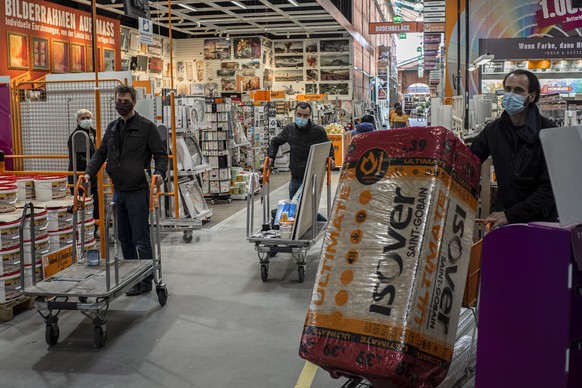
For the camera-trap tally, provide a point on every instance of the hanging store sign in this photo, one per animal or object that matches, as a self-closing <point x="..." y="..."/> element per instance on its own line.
<point x="146" y="34"/>
<point x="527" y="48"/>
<point x="559" y="12"/>
<point x="431" y="46"/>
<point x="431" y="53"/>
<point x="433" y="26"/>
<point x="431" y="38"/>
<point x="312" y="97"/>
<point x="261" y="96"/>
<point x="277" y="95"/>
<point x="55" y="262"/>
<point x="395" y="28"/>
<point x="45" y="37"/>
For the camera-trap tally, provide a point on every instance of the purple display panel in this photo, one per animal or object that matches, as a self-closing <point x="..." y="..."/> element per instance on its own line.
<point x="529" y="311"/>
<point x="5" y="124"/>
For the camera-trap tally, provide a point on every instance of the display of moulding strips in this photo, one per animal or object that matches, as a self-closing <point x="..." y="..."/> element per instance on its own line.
<point x="389" y="287"/>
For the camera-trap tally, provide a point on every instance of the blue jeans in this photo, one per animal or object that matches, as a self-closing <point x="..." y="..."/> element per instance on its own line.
<point x="294" y="185"/>
<point x="133" y="227"/>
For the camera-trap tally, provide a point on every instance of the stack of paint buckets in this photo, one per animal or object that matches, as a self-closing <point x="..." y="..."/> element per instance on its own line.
<point x="9" y="240"/>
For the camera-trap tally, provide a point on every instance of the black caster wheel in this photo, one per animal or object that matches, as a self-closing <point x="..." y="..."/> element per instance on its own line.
<point x="83" y="299"/>
<point x="100" y="336"/>
<point x="212" y="202"/>
<point x="51" y="334"/>
<point x="301" y="273"/>
<point x="264" y="272"/>
<point x="162" y="292"/>
<point x="187" y="237"/>
<point x="229" y="201"/>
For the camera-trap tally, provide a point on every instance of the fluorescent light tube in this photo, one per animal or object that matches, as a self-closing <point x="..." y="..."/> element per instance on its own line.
<point x="239" y="4"/>
<point x="188" y="7"/>
<point x="483" y="59"/>
<point x="293" y="2"/>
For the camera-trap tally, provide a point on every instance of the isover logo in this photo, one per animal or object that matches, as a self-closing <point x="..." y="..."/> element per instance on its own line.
<point x="372" y="166"/>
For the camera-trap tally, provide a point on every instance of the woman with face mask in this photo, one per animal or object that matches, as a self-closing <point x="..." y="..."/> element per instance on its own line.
<point x="524" y="191"/>
<point x="84" y="124"/>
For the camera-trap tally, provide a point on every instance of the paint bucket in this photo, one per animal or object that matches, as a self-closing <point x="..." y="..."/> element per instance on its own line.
<point x="40" y="223"/>
<point x="48" y="188"/>
<point x="25" y="185"/>
<point x="9" y="261"/>
<point x="59" y="218"/>
<point x="10" y="287"/>
<point x="89" y="230"/>
<point x="89" y="203"/>
<point x="9" y="234"/>
<point x="42" y="247"/>
<point x="88" y="245"/>
<point x="8" y="195"/>
<point x="28" y="274"/>
<point x="60" y="239"/>
<point x="286" y="229"/>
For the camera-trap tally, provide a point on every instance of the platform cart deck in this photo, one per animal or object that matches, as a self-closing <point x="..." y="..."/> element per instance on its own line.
<point x="90" y="289"/>
<point x="268" y="243"/>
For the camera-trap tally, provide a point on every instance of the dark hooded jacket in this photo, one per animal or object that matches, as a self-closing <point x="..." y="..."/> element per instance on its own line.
<point x="128" y="148"/>
<point x="80" y="149"/>
<point x="524" y="189"/>
<point x="363" y="128"/>
<point x="300" y="141"/>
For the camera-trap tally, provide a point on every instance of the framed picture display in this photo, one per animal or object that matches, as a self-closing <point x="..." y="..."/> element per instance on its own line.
<point x="89" y="59"/>
<point x="108" y="60"/>
<point x="78" y="59"/>
<point x="124" y="35"/>
<point x="18" y="51"/>
<point x="60" y="56"/>
<point x="40" y="53"/>
<point x="247" y="48"/>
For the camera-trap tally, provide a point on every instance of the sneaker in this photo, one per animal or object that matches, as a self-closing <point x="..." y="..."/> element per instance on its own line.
<point x="138" y="289"/>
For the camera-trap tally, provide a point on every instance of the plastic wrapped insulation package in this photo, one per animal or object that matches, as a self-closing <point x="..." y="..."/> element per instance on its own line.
<point x="391" y="276"/>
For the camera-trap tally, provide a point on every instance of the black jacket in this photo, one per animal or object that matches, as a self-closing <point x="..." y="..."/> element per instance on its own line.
<point x="81" y="149"/>
<point x="300" y="140"/>
<point x="524" y="191"/>
<point x="128" y="149"/>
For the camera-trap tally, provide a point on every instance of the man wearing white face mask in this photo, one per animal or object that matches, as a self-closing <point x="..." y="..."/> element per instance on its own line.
<point x="524" y="190"/>
<point x="84" y="124"/>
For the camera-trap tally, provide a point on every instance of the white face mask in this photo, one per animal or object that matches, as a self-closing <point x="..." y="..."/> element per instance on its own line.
<point x="86" y="124"/>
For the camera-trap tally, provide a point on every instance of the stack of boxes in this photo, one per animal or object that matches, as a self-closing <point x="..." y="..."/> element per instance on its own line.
<point x="240" y="182"/>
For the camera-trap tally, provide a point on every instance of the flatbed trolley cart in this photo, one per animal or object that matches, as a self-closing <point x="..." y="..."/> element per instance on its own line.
<point x="267" y="243"/>
<point x="71" y="288"/>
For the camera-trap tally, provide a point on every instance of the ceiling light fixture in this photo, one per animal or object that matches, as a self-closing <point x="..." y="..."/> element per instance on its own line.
<point x="483" y="59"/>
<point x="239" y="4"/>
<point x="188" y="7"/>
<point x="198" y="24"/>
<point x="227" y="36"/>
<point x="472" y="68"/>
<point x="293" y="2"/>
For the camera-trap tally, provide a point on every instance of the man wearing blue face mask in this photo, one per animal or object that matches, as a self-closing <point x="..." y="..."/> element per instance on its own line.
<point x="524" y="190"/>
<point x="301" y="135"/>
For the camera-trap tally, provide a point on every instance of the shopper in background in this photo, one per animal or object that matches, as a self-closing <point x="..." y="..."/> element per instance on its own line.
<point x="392" y="111"/>
<point x="399" y="119"/>
<point x="301" y="135"/>
<point x="84" y="124"/>
<point x="524" y="190"/>
<point x="367" y="125"/>
<point x="128" y="146"/>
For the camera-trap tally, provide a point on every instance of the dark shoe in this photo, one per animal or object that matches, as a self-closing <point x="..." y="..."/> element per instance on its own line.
<point x="138" y="289"/>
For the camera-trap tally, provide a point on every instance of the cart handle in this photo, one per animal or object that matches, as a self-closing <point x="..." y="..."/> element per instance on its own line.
<point x="80" y="185"/>
<point x="266" y="170"/>
<point x="328" y="170"/>
<point x="155" y="192"/>
<point x="487" y="225"/>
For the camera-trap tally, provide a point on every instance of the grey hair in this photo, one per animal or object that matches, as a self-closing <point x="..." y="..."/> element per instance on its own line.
<point x="82" y="112"/>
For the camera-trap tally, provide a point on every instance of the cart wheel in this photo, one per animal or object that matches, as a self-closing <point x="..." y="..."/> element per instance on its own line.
<point x="83" y="299"/>
<point x="229" y="201"/>
<point x="212" y="202"/>
<point x="100" y="336"/>
<point x="187" y="237"/>
<point x="162" y="292"/>
<point x="301" y="273"/>
<point x="264" y="272"/>
<point x="51" y="335"/>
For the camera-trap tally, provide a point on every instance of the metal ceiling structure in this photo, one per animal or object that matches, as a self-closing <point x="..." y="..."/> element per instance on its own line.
<point x="277" y="19"/>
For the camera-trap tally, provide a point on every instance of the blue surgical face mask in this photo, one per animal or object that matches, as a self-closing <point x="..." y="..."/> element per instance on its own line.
<point x="513" y="103"/>
<point x="301" y="122"/>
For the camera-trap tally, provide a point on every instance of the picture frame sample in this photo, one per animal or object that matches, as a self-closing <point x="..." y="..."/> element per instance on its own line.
<point x="268" y="79"/>
<point x="134" y="44"/>
<point x="289" y="47"/>
<point x="246" y="72"/>
<point x="335" y="74"/>
<point x="124" y="36"/>
<point x="312" y="75"/>
<point x="196" y="89"/>
<point x="18" y="52"/>
<point x="334" y="60"/>
<point x="40" y="53"/>
<point x="251" y="65"/>
<point x="210" y="89"/>
<point x="289" y="75"/>
<point x="133" y="64"/>
<point x="225" y="73"/>
<point x="229" y="65"/>
<point x="180" y="72"/>
<point x="156" y="47"/>
<point x="77" y="58"/>
<point x="342" y="89"/>
<point x="311" y="88"/>
<point x="108" y="60"/>
<point x="60" y="56"/>
<point x="289" y="61"/>
<point x="245" y="48"/>
<point x="228" y="84"/>
<point x="311" y="60"/>
<point x="311" y="46"/>
<point x="156" y="65"/>
<point x="166" y="47"/>
<point x="142" y="63"/>
<point x="216" y="49"/>
<point x="190" y="66"/>
<point x="125" y="64"/>
<point x="89" y="59"/>
<point x="247" y="83"/>
<point x="334" y="46"/>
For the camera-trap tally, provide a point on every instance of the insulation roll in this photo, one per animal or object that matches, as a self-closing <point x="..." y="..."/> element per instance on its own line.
<point x="435" y="104"/>
<point x="447" y="116"/>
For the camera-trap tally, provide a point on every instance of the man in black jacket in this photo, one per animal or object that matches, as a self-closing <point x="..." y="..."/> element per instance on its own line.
<point x="524" y="190"/>
<point x="128" y="146"/>
<point x="301" y="135"/>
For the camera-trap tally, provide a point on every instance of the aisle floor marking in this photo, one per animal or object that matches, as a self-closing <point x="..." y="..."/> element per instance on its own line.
<point x="307" y="375"/>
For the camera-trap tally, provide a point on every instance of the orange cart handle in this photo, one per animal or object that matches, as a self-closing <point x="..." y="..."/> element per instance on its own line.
<point x="266" y="170"/>
<point x="80" y="185"/>
<point x="155" y="192"/>
<point x="487" y="225"/>
<point x="329" y="170"/>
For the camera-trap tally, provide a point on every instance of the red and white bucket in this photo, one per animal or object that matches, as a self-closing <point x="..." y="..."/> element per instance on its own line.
<point x="9" y="236"/>
<point x="25" y="185"/>
<point x="59" y="218"/>
<point x="89" y="230"/>
<point x="88" y="245"/>
<point x="10" y="287"/>
<point x="40" y="223"/>
<point x="9" y="261"/>
<point x="60" y="239"/>
<point x="8" y="196"/>
<point x="28" y="274"/>
<point x="48" y="188"/>
<point x="42" y="247"/>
